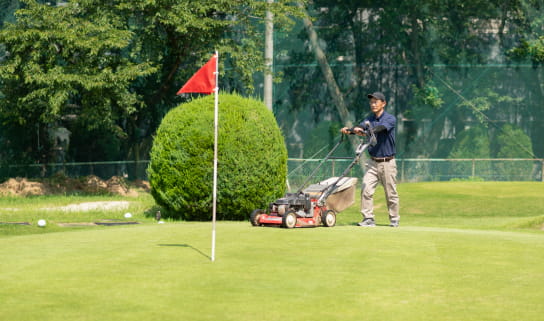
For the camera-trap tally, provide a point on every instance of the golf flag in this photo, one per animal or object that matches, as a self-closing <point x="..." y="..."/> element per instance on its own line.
<point x="204" y="80"/>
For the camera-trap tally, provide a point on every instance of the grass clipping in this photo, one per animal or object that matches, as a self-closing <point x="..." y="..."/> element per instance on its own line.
<point x="91" y="185"/>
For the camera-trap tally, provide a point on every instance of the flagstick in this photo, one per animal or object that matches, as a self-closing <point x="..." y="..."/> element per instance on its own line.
<point x="216" y="116"/>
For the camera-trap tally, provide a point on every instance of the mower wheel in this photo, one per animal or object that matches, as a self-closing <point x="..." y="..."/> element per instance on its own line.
<point x="289" y="220"/>
<point x="328" y="218"/>
<point x="254" y="217"/>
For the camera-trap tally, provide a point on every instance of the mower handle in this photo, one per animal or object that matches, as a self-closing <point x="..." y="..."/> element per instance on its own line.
<point x="331" y="188"/>
<point x="368" y="132"/>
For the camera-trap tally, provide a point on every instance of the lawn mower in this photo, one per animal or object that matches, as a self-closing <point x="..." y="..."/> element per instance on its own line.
<point x="308" y="207"/>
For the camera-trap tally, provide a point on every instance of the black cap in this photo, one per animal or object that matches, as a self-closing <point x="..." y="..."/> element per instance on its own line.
<point x="377" y="95"/>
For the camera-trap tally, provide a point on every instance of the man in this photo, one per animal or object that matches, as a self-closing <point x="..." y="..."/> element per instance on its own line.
<point x="381" y="167"/>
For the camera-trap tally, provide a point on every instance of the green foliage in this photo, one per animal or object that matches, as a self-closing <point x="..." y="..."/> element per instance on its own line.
<point x="64" y="64"/>
<point x="177" y="37"/>
<point x="512" y="142"/>
<point x="252" y="159"/>
<point x="425" y="55"/>
<point x="62" y="58"/>
<point x="320" y="139"/>
<point x="429" y="96"/>
<point x="529" y="49"/>
<point x="112" y="68"/>
<point x="449" y="51"/>
<point x="509" y="142"/>
<point x="472" y="143"/>
<point x="484" y="101"/>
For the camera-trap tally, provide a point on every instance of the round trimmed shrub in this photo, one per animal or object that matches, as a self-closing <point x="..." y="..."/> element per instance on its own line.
<point x="252" y="159"/>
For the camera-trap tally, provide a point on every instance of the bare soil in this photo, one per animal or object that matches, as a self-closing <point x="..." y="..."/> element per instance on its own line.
<point x="66" y="185"/>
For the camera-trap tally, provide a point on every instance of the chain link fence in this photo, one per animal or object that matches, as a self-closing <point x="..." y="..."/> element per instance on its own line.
<point x="131" y="170"/>
<point x="409" y="169"/>
<point x="424" y="170"/>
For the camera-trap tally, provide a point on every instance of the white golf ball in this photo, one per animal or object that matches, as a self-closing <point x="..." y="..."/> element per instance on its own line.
<point x="128" y="215"/>
<point x="160" y="222"/>
<point x="41" y="223"/>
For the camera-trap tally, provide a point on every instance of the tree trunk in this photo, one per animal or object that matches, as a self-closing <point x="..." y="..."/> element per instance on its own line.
<point x="321" y="58"/>
<point x="334" y="90"/>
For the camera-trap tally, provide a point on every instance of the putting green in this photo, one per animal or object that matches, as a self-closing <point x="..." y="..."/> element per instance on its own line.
<point x="163" y="272"/>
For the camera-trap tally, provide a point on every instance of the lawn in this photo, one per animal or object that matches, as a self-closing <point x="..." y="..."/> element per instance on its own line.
<point x="464" y="251"/>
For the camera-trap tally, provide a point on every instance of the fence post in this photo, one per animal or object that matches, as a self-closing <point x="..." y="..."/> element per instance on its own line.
<point x="473" y="167"/>
<point x="402" y="170"/>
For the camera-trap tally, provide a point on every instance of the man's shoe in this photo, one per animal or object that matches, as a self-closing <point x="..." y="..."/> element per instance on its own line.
<point x="368" y="222"/>
<point x="394" y="223"/>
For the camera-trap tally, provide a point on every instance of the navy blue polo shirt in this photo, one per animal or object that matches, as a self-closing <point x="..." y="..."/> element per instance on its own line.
<point x="385" y="147"/>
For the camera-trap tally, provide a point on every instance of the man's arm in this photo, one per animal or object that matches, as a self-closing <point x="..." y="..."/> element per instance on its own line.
<point x="379" y="128"/>
<point x="389" y="122"/>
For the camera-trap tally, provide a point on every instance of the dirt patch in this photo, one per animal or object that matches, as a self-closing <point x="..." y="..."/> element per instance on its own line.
<point x="92" y="206"/>
<point x="60" y="184"/>
<point x="103" y="223"/>
<point x="15" y="223"/>
<point x="22" y="187"/>
<point x="76" y="224"/>
<point x="112" y="223"/>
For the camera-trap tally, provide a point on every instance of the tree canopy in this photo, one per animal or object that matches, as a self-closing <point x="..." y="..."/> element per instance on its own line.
<point x="443" y="65"/>
<point x="108" y="71"/>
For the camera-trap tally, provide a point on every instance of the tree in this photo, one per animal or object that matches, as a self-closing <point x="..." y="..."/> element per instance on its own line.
<point x="177" y="37"/>
<point x="472" y="143"/>
<point x="64" y="66"/>
<point x="512" y="142"/>
<point x="530" y="48"/>
<point x="109" y="70"/>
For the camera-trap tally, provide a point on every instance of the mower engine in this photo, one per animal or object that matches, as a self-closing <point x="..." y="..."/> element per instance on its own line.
<point x="299" y="203"/>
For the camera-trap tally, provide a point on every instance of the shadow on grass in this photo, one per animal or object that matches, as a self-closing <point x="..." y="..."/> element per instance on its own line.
<point x="357" y="224"/>
<point x="188" y="246"/>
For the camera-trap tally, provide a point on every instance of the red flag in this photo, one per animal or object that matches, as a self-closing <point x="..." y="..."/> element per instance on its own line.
<point x="203" y="81"/>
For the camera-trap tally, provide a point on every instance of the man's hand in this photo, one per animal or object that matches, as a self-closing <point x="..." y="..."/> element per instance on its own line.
<point x="355" y="130"/>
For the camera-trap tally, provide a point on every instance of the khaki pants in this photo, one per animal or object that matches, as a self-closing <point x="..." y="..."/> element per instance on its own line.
<point x="384" y="173"/>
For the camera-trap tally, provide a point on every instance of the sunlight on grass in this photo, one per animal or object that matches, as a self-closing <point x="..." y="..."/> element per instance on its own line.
<point x="464" y="251"/>
<point x="163" y="271"/>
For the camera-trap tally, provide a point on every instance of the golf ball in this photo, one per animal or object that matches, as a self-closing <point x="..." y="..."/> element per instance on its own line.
<point x="128" y="215"/>
<point x="41" y="223"/>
